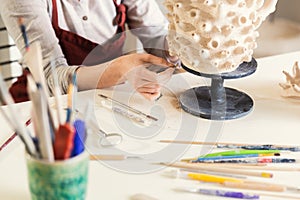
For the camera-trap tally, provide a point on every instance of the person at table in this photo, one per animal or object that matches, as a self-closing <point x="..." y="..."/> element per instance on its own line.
<point x="87" y="37"/>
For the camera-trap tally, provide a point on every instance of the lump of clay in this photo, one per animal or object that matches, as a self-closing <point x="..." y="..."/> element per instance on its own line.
<point x="215" y="36"/>
<point x="292" y="86"/>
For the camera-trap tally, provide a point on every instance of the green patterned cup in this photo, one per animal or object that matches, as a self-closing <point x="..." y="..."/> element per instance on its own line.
<point x="66" y="179"/>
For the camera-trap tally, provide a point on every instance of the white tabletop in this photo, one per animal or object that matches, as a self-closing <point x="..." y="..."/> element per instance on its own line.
<point x="274" y="119"/>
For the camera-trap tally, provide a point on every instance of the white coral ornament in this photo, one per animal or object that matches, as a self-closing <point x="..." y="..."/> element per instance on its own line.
<point x="213" y="36"/>
<point x="292" y="86"/>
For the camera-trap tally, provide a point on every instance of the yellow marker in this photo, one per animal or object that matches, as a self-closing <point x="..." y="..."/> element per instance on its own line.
<point x="266" y="175"/>
<point x="212" y="178"/>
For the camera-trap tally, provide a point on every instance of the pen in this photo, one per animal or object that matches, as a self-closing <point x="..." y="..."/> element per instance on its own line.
<point x="220" y="193"/>
<point x="240" y="152"/>
<point x="259" y="160"/>
<point x="235" y="154"/>
<point x="216" y="158"/>
<point x="201" y="177"/>
<point x="214" y="173"/>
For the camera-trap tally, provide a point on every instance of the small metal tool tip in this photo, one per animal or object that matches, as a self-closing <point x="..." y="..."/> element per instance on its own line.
<point x="158" y="97"/>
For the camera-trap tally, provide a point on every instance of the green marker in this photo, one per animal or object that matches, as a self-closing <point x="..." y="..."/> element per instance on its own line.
<point x="240" y="152"/>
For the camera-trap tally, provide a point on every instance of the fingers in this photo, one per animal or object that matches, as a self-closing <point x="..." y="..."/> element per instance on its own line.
<point x="155" y="60"/>
<point x="151" y="96"/>
<point x="150" y="91"/>
<point x="145" y="81"/>
<point x="140" y="77"/>
<point x="149" y="88"/>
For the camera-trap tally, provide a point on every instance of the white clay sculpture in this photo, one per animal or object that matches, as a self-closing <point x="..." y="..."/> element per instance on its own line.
<point x="215" y="36"/>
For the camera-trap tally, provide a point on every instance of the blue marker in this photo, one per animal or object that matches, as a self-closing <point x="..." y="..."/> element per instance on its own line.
<point x="79" y="138"/>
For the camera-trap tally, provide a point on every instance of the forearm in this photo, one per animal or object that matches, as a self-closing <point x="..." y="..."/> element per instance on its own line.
<point x="63" y="73"/>
<point x="100" y="76"/>
<point x="115" y="71"/>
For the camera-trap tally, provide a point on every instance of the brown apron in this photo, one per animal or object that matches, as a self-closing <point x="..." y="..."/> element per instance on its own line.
<point x="78" y="50"/>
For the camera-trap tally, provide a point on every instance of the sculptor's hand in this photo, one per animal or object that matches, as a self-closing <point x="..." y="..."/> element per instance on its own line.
<point x="148" y="79"/>
<point x="133" y="67"/>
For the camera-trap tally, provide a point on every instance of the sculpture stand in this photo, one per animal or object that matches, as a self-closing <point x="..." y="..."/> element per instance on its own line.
<point x="217" y="102"/>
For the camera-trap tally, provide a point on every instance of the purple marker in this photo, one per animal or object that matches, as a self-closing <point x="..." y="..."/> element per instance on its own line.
<point x="221" y="193"/>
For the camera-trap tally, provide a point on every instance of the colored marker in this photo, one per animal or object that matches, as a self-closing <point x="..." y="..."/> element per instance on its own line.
<point x="259" y="160"/>
<point x="79" y="138"/>
<point x="202" y="177"/>
<point x="240" y="152"/>
<point x="216" y="158"/>
<point x="220" y="193"/>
